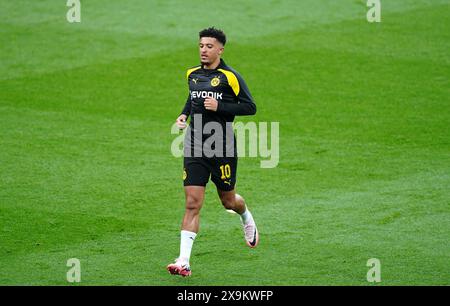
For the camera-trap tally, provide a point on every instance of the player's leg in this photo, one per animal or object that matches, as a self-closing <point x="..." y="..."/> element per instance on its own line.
<point x="189" y="228"/>
<point x="223" y="174"/>
<point x="194" y="200"/>
<point x="195" y="178"/>
<point x="232" y="200"/>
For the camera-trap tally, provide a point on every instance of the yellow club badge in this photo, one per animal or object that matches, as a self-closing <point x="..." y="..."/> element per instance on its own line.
<point x="215" y="81"/>
<point x="184" y="174"/>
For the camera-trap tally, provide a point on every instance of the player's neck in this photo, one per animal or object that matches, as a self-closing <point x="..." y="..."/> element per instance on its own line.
<point x="213" y="65"/>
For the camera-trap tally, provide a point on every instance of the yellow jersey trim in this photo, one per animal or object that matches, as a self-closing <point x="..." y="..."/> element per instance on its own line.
<point x="192" y="70"/>
<point x="232" y="80"/>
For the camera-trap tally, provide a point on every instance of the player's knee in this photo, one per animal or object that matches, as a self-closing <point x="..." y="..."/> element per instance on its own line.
<point x="240" y="199"/>
<point x="193" y="203"/>
<point x="228" y="202"/>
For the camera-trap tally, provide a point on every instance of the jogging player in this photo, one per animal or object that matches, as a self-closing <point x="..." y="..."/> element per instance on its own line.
<point x="217" y="94"/>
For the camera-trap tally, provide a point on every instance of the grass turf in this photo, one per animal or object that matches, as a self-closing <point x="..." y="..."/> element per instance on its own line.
<point x="86" y="169"/>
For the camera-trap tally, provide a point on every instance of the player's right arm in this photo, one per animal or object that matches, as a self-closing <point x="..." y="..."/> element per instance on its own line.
<point x="181" y="120"/>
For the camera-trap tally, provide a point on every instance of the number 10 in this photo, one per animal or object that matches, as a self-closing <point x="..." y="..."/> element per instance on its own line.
<point x="226" y="171"/>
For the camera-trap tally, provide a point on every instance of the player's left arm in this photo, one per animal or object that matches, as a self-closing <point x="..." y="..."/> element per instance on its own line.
<point x="245" y="106"/>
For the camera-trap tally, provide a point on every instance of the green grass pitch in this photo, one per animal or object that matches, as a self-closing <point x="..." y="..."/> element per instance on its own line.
<point x="86" y="170"/>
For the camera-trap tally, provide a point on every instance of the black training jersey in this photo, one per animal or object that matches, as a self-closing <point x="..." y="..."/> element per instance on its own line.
<point x="228" y="88"/>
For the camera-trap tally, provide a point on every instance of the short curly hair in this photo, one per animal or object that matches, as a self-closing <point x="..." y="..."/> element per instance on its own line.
<point x="213" y="32"/>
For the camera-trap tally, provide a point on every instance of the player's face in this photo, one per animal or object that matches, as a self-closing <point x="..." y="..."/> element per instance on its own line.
<point x="210" y="50"/>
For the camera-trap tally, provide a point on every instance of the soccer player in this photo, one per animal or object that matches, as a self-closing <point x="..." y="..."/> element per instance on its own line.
<point x="217" y="94"/>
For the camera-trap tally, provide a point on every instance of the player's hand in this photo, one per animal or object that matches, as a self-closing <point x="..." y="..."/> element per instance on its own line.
<point x="211" y="104"/>
<point x="181" y="121"/>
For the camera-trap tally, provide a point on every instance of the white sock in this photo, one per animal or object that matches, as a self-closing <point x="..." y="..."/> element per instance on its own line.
<point x="246" y="216"/>
<point x="187" y="240"/>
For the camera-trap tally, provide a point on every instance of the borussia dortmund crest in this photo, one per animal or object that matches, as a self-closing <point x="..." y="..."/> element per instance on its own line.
<point x="215" y="81"/>
<point x="184" y="174"/>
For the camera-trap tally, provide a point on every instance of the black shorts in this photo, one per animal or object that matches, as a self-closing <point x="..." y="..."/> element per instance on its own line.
<point x="222" y="170"/>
